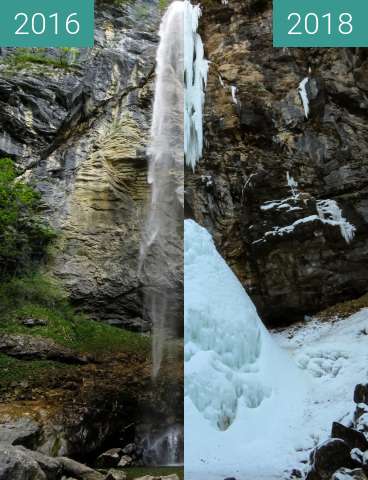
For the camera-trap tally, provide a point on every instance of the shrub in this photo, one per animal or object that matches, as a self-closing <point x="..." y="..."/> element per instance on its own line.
<point x="23" y="235"/>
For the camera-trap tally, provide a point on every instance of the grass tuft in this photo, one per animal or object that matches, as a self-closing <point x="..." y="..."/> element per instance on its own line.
<point x="40" y="298"/>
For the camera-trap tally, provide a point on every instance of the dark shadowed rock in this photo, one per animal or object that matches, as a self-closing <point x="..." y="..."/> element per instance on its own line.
<point x="351" y="436"/>
<point x="346" y="474"/>
<point x="329" y="457"/>
<point x="312" y="475"/>
<point x="267" y="166"/>
<point x="361" y="393"/>
<point x="130" y="449"/>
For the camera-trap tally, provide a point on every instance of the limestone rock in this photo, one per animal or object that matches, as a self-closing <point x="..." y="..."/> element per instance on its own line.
<point x="80" y="135"/>
<point x="22" y="431"/>
<point x="110" y="458"/>
<point x="116" y="475"/>
<point x="125" y="461"/>
<point x="31" y="348"/>
<point x="15" y="464"/>
<point x="78" y="470"/>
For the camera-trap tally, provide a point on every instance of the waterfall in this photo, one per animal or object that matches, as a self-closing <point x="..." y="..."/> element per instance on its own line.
<point x="161" y="264"/>
<point x="165" y="448"/>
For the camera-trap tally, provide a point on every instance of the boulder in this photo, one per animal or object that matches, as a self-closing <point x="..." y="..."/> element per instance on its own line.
<point x="116" y="475"/>
<point x="125" y="461"/>
<point x="329" y="457"/>
<point x="78" y="470"/>
<point x="352" y="437"/>
<point x="50" y="466"/>
<point x="110" y="458"/>
<point x="16" y="464"/>
<point x="34" y="322"/>
<point x="346" y="474"/>
<point x="361" y="393"/>
<point x="29" y="347"/>
<point x="22" y="431"/>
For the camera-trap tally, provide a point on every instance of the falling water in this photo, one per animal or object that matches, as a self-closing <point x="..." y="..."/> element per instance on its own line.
<point x="162" y="244"/>
<point x="165" y="448"/>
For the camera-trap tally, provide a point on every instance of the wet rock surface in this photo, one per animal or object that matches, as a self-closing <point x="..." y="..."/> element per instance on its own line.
<point x="268" y="167"/>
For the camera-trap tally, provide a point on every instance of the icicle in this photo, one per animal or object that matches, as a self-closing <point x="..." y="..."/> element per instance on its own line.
<point x="304" y="95"/>
<point x="195" y="72"/>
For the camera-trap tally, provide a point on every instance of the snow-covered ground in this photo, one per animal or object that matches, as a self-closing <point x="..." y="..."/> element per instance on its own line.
<point x="255" y="402"/>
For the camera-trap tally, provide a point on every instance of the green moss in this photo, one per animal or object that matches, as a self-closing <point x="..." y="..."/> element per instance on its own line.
<point x="21" y="57"/>
<point x="55" y="450"/>
<point x="163" y="4"/>
<point x="13" y="370"/>
<point x="40" y="298"/>
<point x="133" y="473"/>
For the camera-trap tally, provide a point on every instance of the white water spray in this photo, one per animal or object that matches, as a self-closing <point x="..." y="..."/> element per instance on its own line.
<point x="162" y="245"/>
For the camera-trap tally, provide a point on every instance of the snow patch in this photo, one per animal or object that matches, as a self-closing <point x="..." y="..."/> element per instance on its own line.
<point x="293" y="184"/>
<point x="233" y="94"/>
<point x="330" y="213"/>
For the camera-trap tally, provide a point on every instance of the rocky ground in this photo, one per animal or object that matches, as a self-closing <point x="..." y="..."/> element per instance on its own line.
<point x="19" y="463"/>
<point x="76" y="405"/>
<point x="345" y="455"/>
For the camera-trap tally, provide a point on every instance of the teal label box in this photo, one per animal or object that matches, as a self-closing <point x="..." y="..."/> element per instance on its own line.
<point x="47" y="23"/>
<point x="320" y="23"/>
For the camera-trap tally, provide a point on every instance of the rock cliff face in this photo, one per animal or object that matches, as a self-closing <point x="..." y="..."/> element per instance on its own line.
<point x="285" y="194"/>
<point x="80" y="133"/>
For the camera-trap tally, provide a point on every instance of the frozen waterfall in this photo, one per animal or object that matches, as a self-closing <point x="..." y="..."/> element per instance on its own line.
<point x="239" y="385"/>
<point x="195" y="74"/>
<point x="162" y="245"/>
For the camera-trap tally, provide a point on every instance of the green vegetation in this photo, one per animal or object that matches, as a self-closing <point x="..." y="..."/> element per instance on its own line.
<point x="163" y="4"/>
<point x="23" y="235"/>
<point x="39" y="298"/>
<point x="27" y="294"/>
<point x="66" y="57"/>
<point x="158" y="472"/>
<point x="13" y="370"/>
